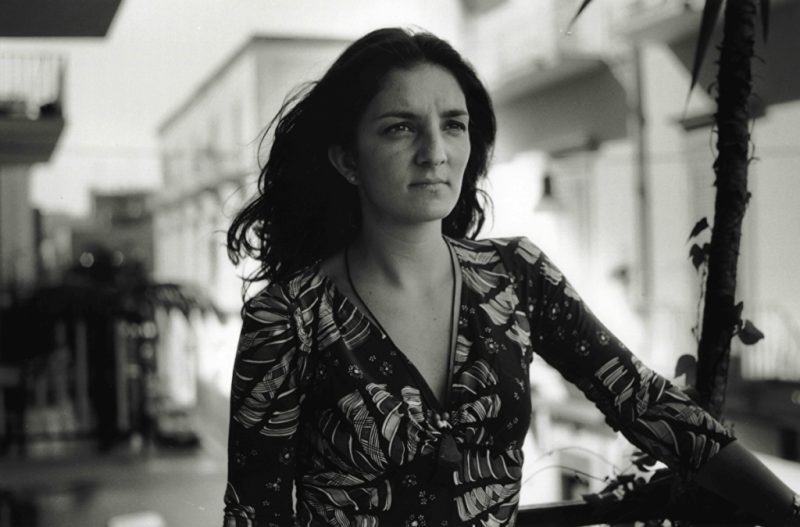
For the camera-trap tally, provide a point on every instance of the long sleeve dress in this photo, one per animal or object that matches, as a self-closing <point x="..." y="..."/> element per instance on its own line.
<point x="324" y="404"/>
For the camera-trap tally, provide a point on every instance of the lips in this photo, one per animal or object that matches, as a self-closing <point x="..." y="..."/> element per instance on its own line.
<point x="429" y="183"/>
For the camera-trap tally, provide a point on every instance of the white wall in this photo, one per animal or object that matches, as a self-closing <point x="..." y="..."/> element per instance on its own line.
<point x="226" y="116"/>
<point x="773" y="212"/>
<point x="218" y="121"/>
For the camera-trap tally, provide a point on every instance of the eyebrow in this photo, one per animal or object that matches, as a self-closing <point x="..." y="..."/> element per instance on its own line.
<point x="402" y="114"/>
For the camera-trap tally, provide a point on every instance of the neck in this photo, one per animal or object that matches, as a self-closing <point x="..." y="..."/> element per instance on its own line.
<point x="406" y="258"/>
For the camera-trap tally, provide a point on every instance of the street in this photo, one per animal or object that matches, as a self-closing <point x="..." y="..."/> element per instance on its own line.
<point x="154" y="487"/>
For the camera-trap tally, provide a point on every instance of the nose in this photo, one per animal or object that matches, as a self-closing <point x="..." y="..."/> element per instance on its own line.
<point x="431" y="151"/>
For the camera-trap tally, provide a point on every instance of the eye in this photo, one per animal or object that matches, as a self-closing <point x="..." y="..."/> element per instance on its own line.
<point x="398" y="129"/>
<point x="456" y="126"/>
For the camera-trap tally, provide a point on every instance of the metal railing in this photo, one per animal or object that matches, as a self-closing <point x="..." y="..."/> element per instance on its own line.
<point x="774" y="358"/>
<point x="520" y="35"/>
<point x="631" y="14"/>
<point x="777" y="356"/>
<point x="31" y="85"/>
<point x="188" y="169"/>
<point x="665" y="496"/>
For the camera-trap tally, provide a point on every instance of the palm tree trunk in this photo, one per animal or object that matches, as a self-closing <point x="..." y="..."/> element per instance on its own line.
<point x="721" y="315"/>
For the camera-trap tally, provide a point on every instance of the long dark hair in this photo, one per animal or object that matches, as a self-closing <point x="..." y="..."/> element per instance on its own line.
<point x="304" y="209"/>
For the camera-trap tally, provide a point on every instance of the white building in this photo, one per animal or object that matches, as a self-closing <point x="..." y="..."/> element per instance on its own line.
<point x="210" y="146"/>
<point x="209" y="149"/>
<point x="31" y="123"/>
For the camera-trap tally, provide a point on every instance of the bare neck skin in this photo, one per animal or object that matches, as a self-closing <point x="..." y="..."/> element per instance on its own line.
<point x="408" y="258"/>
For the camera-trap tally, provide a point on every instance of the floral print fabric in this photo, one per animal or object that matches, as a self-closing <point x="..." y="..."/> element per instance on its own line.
<point x="320" y="402"/>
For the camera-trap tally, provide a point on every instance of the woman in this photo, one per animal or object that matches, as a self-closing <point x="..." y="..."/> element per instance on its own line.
<point x="383" y="373"/>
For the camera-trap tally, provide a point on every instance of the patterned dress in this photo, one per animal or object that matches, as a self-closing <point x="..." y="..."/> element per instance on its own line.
<point x="322" y="403"/>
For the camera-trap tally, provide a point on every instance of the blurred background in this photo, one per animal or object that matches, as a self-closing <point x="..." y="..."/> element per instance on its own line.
<point x="129" y="134"/>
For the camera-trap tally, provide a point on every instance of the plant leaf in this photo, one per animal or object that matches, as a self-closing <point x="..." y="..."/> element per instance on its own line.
<point x="583" y="6"/>
<point x="750" y="334"/>
<point x="709" y="20"/>
<point x="698" y="255"/>
<point x="699" y="227"/>
<point x="764" y="9"/>
<point x="687" y="364"/>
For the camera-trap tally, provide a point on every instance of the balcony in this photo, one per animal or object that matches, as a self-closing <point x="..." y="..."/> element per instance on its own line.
<point x="190" y="172"/>
<point x="521" y="46"/>
<point x="57" y="18"/>
<point x="656" y="20"/>
<point x="668" y="20"/>
<point x="31" y="95"/>
<point x="777" y="356"/>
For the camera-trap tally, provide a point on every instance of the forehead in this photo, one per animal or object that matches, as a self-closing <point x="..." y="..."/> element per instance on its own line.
<point x="421" y="87"/>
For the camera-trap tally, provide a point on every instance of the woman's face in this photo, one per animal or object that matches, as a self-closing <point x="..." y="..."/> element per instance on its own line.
<point x="412" y="147"/>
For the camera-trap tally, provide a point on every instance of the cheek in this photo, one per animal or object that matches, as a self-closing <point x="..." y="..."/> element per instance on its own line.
<point x="462" y="147"/>
<point x="467" y="152"/>
<point x="462" y="154"/>
<point x="378" y="156"/>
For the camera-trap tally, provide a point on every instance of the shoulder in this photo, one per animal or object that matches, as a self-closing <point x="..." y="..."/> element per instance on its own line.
<point x="280" y="299"/>
<point x="517" y="250"/>
<point x="277" y="322"/>
<point x="475" y="253"/>
<point x="511" y="242"/>
<point x="519" y="246"/>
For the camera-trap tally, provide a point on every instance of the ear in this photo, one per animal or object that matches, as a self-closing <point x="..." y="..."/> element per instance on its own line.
<point x="343" y="162"/>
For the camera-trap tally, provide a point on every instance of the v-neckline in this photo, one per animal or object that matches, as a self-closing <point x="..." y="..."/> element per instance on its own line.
<point x="427" y="390"/>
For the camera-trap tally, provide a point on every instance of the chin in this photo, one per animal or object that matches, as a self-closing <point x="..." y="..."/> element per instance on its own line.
<point x="432" y="213"/>
<point x="411" y="212"/>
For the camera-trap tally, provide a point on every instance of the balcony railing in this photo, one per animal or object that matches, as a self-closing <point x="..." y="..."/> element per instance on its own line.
<point x="655" y="19"/>
<point x="189" y="171"/>
<point x="665" y="496"/>
<point x="31" y="110"/>
<point x="31" y="86"/>
<point x="777" y="356"/>
<point x="774" y="358"/>
<point x="520" y="36"/>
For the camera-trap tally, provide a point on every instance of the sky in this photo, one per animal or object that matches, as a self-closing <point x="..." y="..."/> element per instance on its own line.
<point x="121" y="87"/>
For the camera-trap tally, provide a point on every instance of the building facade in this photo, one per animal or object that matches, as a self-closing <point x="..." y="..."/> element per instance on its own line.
<point x="210" y="149"/>
<point x="210" y="157"/>
<point x="31" y="123"/>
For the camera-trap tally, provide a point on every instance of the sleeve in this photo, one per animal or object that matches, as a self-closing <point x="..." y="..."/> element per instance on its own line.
<point x="650" y="412"/>
<point x="264" y="414"/>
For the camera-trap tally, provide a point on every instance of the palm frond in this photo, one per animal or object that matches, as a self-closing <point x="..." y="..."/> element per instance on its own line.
<point x="580" y="10"/>
<point x="709" y="20"/>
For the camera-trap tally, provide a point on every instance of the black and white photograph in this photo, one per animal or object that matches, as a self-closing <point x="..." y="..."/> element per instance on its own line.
<point x="399" y="263"/>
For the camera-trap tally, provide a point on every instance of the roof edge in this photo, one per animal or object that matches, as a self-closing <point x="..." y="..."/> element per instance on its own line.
<point x="238" y="51"/>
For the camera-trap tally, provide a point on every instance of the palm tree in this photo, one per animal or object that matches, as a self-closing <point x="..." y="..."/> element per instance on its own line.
<point x="721" y="314"/>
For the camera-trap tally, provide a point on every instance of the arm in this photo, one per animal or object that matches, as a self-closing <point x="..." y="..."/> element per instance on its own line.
<point x="651" y="412"/>
<point x="265" y="399"/>
<point x="738" y="476"/>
